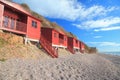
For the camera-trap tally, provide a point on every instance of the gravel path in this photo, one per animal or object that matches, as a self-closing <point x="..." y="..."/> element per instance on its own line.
<point x="73" y="67"/>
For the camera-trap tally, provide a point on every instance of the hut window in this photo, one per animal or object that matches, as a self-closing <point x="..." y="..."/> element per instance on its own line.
<point x="34" y="24"/>
<point x="12" y="23"/>
<point x="55" y="35"/>
<point x="6" y="21"/>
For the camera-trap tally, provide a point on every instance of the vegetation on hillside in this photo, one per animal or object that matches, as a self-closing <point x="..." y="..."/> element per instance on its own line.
<point x="2" y="42"/>
<point x="10" y="0"/>
<point x="70" y="34"/>
<point x="90" y="49"/>
<point x="26" y="7"/>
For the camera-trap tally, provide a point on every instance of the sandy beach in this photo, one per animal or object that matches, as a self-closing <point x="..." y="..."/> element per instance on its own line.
<point x="71" y="67"/>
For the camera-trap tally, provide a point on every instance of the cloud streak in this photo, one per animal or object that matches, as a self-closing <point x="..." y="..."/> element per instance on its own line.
<point x="107" y="29"/>
<point x="104" y="24"/>
<point x="98" y="37"/>
<point x="105" y="44"/>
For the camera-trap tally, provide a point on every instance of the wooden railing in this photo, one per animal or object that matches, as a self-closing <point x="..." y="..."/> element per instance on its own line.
<point x="15" y="25"/>
<point x="48" y="47"/>
<point x="21" y="26"/>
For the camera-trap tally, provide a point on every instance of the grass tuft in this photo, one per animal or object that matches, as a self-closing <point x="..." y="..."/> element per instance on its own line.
<point x="3" y="60"/>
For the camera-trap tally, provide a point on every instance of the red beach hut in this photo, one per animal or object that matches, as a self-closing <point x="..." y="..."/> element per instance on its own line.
<point x="13" y="18"/>
<point x="55" y="38"/>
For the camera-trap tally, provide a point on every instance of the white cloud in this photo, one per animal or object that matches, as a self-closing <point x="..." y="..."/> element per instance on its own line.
<point x="104" y="24"/>
<point x="97" y="37"/>
<point x="67" y="9"/>
<point x="105" y="44"/>
<point x="99" y="23"/>
<point x="107" y="29"/>
<point x="94" y="11"/>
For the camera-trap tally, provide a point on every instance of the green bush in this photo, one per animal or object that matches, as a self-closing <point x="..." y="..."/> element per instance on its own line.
<point x="2" y="59"/>
<point x="2" y="42"/>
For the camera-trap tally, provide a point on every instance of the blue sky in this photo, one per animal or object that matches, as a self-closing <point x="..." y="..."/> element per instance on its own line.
<point x="95" y="22"/>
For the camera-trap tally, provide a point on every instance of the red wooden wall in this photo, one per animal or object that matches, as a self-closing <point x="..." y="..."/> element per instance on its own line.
<point x="76" y="42"/>
<point x="55" y="37"/>
<point x="65" y="40"/>
<point x="81" y="46"/>
<point x="10" y="13"/>
<point x="1" y="14"/>
<point x="70" y="42"/>
<point x="32" y="32"/>
<point x="47" y="34"/>
<point x="19" y="16"/>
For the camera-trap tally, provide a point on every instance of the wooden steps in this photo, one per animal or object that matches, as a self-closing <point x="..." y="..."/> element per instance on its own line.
<point x="48" y="47"/>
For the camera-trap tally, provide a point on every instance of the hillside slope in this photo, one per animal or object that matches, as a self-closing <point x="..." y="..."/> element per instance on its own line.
<point x="12" y="46"/>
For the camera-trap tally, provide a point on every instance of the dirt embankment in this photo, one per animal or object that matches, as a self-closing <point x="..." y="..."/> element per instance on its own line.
<point x="12" y="46"/>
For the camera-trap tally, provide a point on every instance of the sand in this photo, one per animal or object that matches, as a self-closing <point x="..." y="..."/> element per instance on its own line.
<point x="71" y="67"/>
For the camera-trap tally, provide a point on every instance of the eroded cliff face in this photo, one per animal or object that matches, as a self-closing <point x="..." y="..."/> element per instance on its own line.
<point x="12" y="46"/>
<point x="9" y="38"/>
